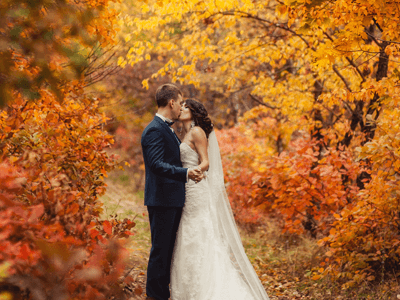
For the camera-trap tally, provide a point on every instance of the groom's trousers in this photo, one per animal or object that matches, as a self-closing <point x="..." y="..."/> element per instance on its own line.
<point x="164" y="223"/>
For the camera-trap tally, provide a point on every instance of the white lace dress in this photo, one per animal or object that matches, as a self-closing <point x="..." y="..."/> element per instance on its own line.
<point x="201" y="266"/>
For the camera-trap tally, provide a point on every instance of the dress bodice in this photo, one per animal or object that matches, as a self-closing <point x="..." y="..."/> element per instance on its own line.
<point x="189" y="157"/>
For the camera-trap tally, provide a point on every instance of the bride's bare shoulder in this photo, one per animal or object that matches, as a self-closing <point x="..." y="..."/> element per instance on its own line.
<point x="198" y="133"/>
<point x="194" y="136"/>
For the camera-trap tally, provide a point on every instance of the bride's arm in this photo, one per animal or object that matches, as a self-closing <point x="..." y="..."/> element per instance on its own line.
<point x="201" y="143"/>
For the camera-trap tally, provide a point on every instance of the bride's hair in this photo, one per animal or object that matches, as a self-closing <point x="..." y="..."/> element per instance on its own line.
<point x="200" y="115"/>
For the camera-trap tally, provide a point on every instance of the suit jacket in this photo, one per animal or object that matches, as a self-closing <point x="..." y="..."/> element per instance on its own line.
<point x="165" y="176"/>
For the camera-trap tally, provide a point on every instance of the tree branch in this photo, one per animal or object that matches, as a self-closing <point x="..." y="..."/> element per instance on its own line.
<point x="342" y="78"/>
<point x="377" y="25"/>
<point x="261" y="102"/>
<point x="277" y="25"/>
<point x="352" y="63"/>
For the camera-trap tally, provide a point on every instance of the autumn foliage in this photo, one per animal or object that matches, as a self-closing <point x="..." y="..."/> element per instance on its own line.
<point x="314" y="86"/>
<point x="316" y="193"/>
<point x="53" y="167"/>
<point x="54" y="244"/>
<point x="309" y="89"/>
<point x="303" y="191"/>
<point x="50" y="36"/>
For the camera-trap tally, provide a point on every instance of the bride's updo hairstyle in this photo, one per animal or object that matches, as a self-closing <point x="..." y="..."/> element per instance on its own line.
<point x="200" y="115"/>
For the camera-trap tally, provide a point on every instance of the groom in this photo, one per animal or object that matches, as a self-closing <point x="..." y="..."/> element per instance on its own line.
<point x="164" y="193"/>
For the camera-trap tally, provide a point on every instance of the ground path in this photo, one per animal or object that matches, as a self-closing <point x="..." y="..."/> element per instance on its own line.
<point x="119" y="199"/>
<point x="279" y="264"/>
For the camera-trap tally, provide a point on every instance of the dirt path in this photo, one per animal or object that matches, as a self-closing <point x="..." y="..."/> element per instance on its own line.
<point x="121" y="200"/>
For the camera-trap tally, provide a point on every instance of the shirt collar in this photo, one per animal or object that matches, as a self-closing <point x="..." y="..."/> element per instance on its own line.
<point x="163" y="118"/>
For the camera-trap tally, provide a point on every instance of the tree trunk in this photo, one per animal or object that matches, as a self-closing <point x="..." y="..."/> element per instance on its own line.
<point x="374" y="107"/>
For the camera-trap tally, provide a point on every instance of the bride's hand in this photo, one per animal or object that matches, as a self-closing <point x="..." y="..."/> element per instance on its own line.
<point x="204" y="174"/>
<point x="201" y="176"/>
<point x="195" y="174"/>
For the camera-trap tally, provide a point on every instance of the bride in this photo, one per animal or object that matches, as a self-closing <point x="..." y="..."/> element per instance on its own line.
<point x="209" y="262"/>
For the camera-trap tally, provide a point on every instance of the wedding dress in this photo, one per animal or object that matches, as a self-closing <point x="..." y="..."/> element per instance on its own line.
<point x="209" y="262"/>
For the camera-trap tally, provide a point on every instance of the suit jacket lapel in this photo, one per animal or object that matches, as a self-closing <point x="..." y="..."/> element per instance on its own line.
<point x="167" y="129"/>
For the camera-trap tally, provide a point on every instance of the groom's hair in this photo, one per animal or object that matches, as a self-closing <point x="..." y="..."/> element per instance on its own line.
<point x="167" y="92"/>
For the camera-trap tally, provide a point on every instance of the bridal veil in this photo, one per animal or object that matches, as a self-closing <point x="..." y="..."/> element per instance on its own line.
<point x="224" y="222"/>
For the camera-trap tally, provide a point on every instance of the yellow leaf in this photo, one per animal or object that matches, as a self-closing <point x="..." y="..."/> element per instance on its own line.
<point x="316" y="277"/>
<point x="145" y="84"/>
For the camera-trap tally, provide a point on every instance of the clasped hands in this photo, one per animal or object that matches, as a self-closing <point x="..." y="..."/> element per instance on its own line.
<point x="195" y="174"/>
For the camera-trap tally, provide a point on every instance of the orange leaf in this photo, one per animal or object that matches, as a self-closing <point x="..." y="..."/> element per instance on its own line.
<point x="138" y="290"/>
<point x="107" y="227"/>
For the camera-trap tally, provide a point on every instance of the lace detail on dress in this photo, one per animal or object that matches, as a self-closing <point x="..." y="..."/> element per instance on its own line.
<point x="189" y="157"/>
<point x="201" y="266"/>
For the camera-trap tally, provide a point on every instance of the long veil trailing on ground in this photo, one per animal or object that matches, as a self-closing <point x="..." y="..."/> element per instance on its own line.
<point x="224" y="222"/>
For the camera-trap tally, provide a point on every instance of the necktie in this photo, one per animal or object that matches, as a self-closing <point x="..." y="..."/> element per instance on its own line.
<point x="169" y="123"/>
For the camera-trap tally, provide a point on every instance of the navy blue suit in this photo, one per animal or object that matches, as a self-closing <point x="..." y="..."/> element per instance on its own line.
<point x="164" y="197"/>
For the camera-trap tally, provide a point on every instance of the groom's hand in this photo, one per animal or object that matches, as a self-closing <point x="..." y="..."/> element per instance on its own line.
<point x="195" y="174"/>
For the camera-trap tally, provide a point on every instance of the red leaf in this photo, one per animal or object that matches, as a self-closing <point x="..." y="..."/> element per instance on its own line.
<point x="37" y="211"/>
<point x="128" y="279"/>
<point x="24" y="252"/>
<point x="107" y="227"/>
<point x="94" y="233"/>
<point x="138" y="290"/>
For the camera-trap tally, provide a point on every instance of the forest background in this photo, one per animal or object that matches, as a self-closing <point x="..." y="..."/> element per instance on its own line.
<point x="304" y="97"/>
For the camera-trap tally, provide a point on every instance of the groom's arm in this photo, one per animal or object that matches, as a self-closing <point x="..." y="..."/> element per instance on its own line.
<point x="153" y="147"/>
